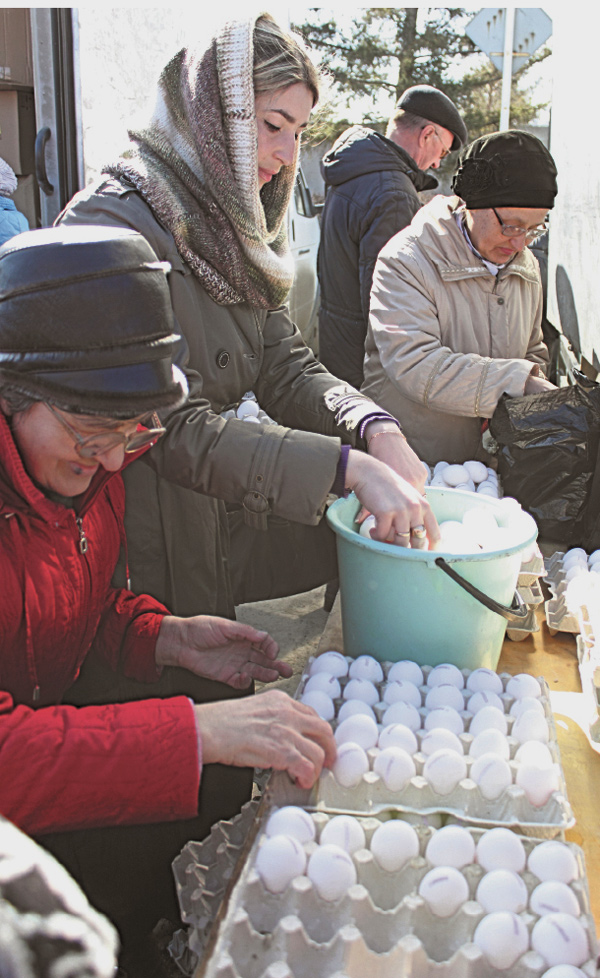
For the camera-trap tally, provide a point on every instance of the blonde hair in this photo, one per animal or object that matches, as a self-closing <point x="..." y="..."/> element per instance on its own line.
<point x="281" y="60"/>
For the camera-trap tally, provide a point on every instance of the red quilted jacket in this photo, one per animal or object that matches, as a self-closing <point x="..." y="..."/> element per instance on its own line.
<point x="64" y="767"/>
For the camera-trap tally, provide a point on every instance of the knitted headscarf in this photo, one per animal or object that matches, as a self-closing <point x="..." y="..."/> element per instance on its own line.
<point x="196" y="165"/>
<point x="8" y="180"/>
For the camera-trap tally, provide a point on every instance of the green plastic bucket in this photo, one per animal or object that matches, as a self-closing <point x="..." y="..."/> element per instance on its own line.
<point x="398" y="603"/>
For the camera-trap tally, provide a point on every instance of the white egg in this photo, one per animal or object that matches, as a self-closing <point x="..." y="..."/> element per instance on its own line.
<point x="334" y="663"/>
<point x="247" y="409"/>
<point x="490" y="741"/>
<point x="553" y="860"/>
<point x="443" y="770"/>
<point x="446" y="672"/>
<point x="538" y="783"/>
<point x="398" y="735"/>
<point x="325" y="683"/>
<point x="500" y="848"/>
<point x="480" y="522"/>
<point x="251" y="419"/>
<point x="404" y="713"/>
<point x="560" y="939"/>
<point x="393" y="844"/>
<point x="477" y="470"/>
<point x="444" y="889"/>
<point x="344" y="831"/>
<point x="564" y="971"/>
<point x="368" y="524"/>
<point x="451" y="846"/>
<point x="402" y="692"/>
<point x="279" y="860"/>
<point x="488" y="488"/>
<point x="361" y="689"/>
<point x="331" y="871"/>
<point x="438" y="480"/>
<point x="535" y="753"/>
<point x="350" y="765"/>
<point x="447" y="717"/>
<point x="366" y="667"/>
<point x="483" y="678"/>
<point x="492" y="775"/>
<point x="291" y="820"/>
<point x="468" y="486"/>
<point x="484" y="697"/>
<point x="440" y="738"/>
<point x="445" y="695"/>
<point x="575" y="571"/>
<point x="457" y="541"/>
<point x="406" y="671"/>
<point x="594" y="557"/>
<point x="320" y="702"/>
<point x="350" y="708"/>
<point x="395" y="767"/>
<point x="531" y="725"/>
<point x="502" y="937"/>
<point x="575" y="555"/>
<point x="358" y="729"/>
<point x="454" y="474"/>
<point x="552" y="896"/>
<point x="523" y="685"/>
<point x="439" y="467"/>
<point x="488" y="716"/>
<point x="502" y="890"/>
<point x="527" y="703"/>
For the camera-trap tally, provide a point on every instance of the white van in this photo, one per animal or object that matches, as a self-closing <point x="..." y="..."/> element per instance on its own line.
<point x="304" y="234"/>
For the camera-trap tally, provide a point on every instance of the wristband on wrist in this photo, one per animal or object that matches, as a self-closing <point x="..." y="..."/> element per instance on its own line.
<point x="390" y="431"/>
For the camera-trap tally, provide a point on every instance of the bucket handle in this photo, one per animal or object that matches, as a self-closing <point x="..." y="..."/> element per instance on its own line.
<point x="518" y="610"/>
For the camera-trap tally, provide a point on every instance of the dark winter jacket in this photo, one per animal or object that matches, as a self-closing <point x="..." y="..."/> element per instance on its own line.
<point x="371" y="194"/>
<point x="62" y="767"/>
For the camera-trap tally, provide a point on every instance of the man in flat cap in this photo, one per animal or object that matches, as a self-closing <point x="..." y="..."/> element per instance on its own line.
<point x="456" y="302"/>
<point x="373" y="185"/>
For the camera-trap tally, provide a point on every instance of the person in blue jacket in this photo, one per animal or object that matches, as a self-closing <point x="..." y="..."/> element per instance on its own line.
<point x="11" y="220"/>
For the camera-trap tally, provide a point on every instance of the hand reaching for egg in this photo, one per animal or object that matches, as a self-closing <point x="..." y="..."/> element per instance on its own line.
<point x="216" y="648"/>
<point x="397" y="506"/>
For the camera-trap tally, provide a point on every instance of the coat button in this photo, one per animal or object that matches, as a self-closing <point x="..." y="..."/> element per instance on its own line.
<point x="223" y="359"/>
<point x="500" y="302"/>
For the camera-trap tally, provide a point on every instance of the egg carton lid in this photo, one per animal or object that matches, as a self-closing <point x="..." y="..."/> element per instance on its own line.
<point x="370" y="797"/>
<point x="531" y="570"/>
<point x="287" y="949"/>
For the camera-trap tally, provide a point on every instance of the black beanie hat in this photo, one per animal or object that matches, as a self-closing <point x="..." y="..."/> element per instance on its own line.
<point x="86" y="322"/>
<point x="506" y="169"/>
<point x="433" y="105"/>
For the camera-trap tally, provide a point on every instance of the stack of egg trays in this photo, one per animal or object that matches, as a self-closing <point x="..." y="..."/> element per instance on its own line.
<point x="380" y="928"/>
<point x="558" y="616"/>
<point x="588" y="655"/>
<point x="466" y="801"/>
<point x="528" y="586"/>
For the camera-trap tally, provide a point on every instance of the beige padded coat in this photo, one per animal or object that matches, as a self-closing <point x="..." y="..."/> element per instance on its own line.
<point x="446" y="337"/>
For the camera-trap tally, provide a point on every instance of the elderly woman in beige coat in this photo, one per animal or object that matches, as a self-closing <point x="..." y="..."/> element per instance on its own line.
<point x="456" y="303"/>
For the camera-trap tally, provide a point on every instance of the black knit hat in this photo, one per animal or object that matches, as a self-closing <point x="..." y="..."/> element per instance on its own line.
<point x="433" y="105"/>
<point x="86" y="322"/>
<point x="506" y="169"/>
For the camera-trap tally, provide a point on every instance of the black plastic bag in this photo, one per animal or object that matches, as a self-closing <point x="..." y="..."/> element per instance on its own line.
<point x="548" y="448"/>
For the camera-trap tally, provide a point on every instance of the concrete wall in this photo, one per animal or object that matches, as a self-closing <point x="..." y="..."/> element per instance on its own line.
<point x="574" y="241"/>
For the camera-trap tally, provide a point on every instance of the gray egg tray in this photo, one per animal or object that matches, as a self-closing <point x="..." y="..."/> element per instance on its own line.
<point x="559" y="617"/>
<point x="371" y="796"/>
<point x="381" y="927"/>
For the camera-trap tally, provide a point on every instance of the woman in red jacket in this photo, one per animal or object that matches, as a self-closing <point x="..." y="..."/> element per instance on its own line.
<point x="86" y="354"/>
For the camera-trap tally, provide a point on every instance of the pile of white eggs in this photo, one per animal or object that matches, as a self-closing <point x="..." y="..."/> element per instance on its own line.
<point x="448" y="867"/>
<point x="392" y="724"/>
<point x="248" y="410"/>
<point x="471" y="476"/>
<point x="581" y="578"/>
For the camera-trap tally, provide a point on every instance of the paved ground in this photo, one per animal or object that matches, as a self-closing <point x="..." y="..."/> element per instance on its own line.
<point x="296" y="623"/>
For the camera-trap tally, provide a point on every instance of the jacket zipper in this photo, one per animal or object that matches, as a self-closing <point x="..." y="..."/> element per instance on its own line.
<point x="83" y="540"/>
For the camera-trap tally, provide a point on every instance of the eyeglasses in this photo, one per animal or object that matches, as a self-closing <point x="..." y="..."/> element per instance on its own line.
<point x="445" y="152"/>
<point x="514" y="231"/>
<point x="104" y="441"/>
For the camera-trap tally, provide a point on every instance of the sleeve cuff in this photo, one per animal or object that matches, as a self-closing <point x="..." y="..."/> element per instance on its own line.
<point x="339" y="485"/>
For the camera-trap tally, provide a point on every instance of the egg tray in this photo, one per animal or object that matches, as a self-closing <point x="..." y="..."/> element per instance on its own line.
<point x="381" y="927"/>
<point x="371" y="796"/>
<point x="531" y="570"/>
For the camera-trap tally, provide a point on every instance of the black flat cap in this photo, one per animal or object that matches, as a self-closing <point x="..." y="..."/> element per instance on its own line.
<point x="433" y="105"/>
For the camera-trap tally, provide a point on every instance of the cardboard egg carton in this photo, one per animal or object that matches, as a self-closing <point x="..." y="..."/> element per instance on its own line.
<point x="380" y="927"/>
<point x="371" y="796"/>
<point x="531" y="570"/>
<point x="559" y="617"/>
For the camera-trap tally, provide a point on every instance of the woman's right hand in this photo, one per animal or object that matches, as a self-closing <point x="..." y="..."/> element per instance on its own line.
<point x="397" y="506"/>
<point x="269" y="730"/>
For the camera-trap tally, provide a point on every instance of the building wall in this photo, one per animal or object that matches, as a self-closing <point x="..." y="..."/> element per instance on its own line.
<point x="573" y="289"/>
